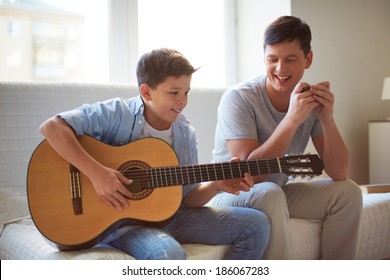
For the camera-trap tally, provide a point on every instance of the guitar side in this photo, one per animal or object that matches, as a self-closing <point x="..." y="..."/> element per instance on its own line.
<point x="50" y="202"/>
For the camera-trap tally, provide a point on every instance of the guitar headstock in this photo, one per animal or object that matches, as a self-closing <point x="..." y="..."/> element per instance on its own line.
<point x="302" y="165"/>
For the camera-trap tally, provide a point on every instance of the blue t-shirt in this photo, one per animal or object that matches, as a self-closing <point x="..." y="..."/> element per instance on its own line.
<point x="117" y="122"/>
<point x="245" y="112"/>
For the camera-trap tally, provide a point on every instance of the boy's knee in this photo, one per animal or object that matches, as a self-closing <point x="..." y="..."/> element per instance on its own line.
<point x="263" y="222"/>
<point x="255" y="222"/>
<point x="249" y="218"/>
<point x="168" y="249"/>
<point x="261" y="227"/>
<point x="174" y="255"/>
<point x="258" y="218"/>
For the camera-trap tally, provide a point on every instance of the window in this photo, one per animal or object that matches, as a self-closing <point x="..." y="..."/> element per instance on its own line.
<point x="54" y="40"/>
<point x="194" y="28"/>
<point x="102" y="40"/>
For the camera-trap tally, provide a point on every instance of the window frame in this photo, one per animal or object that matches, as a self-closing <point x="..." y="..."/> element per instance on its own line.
<point x="123" y="41"/>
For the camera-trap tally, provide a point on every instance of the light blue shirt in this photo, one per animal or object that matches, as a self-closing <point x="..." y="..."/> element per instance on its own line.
<point x="118" y="122"/>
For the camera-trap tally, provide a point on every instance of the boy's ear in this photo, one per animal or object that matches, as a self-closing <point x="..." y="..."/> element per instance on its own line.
<point x="145" y="91"/>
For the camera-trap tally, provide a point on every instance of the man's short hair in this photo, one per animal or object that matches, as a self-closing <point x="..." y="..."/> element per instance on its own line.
<point x="288" y="29"/>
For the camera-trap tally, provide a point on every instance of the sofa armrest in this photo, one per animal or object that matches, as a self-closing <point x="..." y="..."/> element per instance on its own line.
<point x="375" y="188"/>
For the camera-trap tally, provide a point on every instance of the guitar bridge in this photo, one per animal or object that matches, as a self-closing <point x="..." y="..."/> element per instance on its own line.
<point x="75" y="190"/>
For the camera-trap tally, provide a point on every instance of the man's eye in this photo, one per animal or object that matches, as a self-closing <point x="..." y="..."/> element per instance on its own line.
<point x="272" y="60"/>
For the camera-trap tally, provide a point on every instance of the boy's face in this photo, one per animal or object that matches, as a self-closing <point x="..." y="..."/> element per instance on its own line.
<point x="164" y="103"/>
<point x="285" y="65"/>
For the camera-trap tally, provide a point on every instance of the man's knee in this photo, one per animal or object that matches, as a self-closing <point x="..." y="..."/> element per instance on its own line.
<point x="352" y="192"/>
<point x="349" y="189"/>
<point x="266" y="190"/>
<point x="268" y="197"/>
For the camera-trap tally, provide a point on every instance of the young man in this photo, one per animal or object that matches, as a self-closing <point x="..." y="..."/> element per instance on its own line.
<point x="274" y="115"/>
<point x="164" y="77"/>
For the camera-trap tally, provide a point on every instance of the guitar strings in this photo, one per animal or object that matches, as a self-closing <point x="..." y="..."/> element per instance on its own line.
<point x="205" y="170"/>
<point x="209" y="171"/>
<point x="139" y="173"/>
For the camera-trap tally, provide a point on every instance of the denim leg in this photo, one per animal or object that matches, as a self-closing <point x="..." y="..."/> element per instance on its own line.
<point x="245" y="230"/>
<point x="146" y="243"/>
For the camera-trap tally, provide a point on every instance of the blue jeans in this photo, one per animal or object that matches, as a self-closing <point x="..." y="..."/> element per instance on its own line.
<point x="245" y="230"/>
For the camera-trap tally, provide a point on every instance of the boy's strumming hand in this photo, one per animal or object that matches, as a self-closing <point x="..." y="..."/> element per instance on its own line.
<point x="110" y="186"/>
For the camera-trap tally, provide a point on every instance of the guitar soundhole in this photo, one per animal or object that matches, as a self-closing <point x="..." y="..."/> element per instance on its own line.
<point x="134" y="170"/>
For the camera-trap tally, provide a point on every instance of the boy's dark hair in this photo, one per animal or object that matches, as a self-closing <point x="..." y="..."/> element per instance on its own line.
<point x="155" y="66"/>
<point x="287" y="29"/>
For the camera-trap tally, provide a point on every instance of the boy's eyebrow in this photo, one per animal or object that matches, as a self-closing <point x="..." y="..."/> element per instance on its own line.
<point x="179" y="88"/>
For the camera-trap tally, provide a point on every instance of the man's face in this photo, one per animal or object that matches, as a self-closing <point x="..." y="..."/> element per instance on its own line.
<point x="285" y="65"/>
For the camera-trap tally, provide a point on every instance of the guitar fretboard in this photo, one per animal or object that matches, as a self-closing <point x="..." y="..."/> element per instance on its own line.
<point x="189" y="174"/>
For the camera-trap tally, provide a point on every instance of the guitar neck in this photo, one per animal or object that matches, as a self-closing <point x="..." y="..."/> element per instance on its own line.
<point x="189" y="174"/>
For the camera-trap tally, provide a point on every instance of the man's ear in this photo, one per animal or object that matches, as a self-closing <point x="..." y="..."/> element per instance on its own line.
<point x="145" y="92"/>
<point x="309" y="59"/>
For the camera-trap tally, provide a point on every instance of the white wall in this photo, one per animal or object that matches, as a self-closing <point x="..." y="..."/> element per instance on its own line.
<point x="351" y="45"/>
<point x="253" y="16"/>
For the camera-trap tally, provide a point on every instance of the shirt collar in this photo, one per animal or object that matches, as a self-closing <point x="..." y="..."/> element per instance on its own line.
<point x="139" y="105"/>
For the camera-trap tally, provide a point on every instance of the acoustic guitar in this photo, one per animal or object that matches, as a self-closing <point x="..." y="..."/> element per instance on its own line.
<point x="71" y="216"/>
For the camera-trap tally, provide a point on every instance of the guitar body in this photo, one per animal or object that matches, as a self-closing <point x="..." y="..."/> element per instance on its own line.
<point x="67" y="211"/>
<point x="50" y="200"/>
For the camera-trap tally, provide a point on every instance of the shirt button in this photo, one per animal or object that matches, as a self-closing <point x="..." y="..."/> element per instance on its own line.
<point x="140" y="122"/>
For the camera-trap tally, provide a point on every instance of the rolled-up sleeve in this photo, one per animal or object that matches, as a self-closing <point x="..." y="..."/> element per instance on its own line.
<point x="109" y="121"/>
<point x="85" y="120"/>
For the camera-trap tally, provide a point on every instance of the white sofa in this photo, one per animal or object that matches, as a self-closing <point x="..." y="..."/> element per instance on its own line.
<point x="24" y="106"/>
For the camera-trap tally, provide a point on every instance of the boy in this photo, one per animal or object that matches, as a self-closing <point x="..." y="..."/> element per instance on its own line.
<point x="276" y="114"/>
<point x="164" y="77"/>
